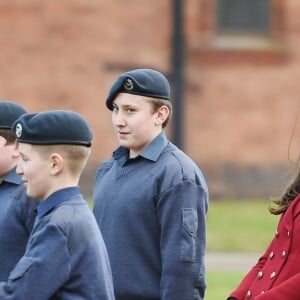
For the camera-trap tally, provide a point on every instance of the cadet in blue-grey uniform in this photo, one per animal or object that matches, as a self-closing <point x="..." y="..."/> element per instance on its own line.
<point x="17" y="211"/>
<point x="150" y="198"/>
<point x="65" y="257"/>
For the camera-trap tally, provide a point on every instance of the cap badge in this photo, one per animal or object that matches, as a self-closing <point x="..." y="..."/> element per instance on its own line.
<point x="19" y="130"/>
<point x="128" y="84"/>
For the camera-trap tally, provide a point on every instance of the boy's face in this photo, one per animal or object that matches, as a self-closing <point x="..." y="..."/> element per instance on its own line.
<point x="8" y="155"/>
<point x="135" y="122"/>
<point x="34" y="170"/>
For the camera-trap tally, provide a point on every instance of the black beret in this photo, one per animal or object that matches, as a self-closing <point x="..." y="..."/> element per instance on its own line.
<point x="54" y="127"/>
<point x="9" y="112"/>
<point x="143" y="82"/>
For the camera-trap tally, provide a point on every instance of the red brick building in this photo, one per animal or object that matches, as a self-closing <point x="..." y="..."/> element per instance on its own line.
<point x="241" y="76"/>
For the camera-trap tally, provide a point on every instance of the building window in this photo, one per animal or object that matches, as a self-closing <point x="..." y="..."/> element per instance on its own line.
<point x="246" y="30"/>
<point x="243" y="16"/>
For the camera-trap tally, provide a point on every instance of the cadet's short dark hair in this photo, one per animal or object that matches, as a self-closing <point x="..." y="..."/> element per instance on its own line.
<point x="9" y="135"/>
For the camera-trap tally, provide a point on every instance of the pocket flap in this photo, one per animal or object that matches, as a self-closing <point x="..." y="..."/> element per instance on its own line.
<point x="190" y="220"/>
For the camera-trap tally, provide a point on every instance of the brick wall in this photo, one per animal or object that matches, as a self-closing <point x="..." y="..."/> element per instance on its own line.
<point x="239" y="106"/>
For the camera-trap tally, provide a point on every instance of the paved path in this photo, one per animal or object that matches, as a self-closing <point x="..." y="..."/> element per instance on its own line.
<point x="230" y="261"/>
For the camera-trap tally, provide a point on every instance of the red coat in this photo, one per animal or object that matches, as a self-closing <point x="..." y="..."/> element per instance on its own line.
<point x="276" y="276"/>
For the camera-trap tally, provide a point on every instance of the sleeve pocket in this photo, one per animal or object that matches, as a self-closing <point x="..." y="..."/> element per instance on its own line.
<point x="21" y="268"/>
<point x="189" y="233"/>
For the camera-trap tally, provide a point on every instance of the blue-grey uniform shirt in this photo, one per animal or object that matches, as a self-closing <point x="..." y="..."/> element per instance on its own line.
<point x="65" y="256"/>
<point x="151" y="211"/>
<point x="17" y="214"/>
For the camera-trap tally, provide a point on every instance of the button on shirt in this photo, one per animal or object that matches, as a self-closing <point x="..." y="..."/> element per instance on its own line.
<point x="65" y="256"/>
<point x="17" y="214"/>
<point x="151" y="212"/>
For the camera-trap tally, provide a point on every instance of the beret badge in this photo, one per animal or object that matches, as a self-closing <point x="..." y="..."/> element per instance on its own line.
<point x="18" y="130"/>
<point x="128" y="84"/>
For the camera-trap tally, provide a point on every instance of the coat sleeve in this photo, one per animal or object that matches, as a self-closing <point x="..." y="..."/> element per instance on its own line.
<point x="240" y="292"/>
<point x="182" y="219"/>
<point x="46" y="254"/>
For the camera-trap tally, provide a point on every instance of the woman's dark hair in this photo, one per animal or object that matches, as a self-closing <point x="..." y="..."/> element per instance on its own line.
<point x="281" y="204"/>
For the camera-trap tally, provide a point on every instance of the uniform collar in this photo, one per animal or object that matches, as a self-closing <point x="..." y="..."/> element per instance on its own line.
<point x="151" y="152"/>
<point x="56" y="198"/>
<point x="12" y="177"/>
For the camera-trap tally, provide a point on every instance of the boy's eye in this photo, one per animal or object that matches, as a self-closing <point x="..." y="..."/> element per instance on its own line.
<point x="24" y="158"/>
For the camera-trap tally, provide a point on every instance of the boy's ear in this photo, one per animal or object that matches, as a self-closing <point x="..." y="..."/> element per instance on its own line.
<point x="56" y="163"/>
<point x="16" y="152"/>
<point x="162" y="114"/>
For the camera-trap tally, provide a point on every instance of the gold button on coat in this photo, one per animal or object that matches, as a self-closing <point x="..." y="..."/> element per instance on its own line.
<point x="272" y="275"/>
<point x="260" y="275"/>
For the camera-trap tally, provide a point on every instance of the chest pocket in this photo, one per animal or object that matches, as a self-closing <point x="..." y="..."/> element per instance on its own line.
<point x="189" y="233"/>
<point x="21" y="268"/>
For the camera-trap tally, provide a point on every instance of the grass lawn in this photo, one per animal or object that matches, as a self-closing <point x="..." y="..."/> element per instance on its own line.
<point x="220" y="284"/>
<point x="240" y="226"/>
<point x="236" y="226"/>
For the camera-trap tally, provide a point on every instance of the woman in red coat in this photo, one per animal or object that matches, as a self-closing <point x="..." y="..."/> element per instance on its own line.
<point x="276" y="276"/>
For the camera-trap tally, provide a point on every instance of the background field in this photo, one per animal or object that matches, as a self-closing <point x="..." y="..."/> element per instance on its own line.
<point x="221" y="283"/>
<point x="236" y="226"/>
<point x="244" y="225"/>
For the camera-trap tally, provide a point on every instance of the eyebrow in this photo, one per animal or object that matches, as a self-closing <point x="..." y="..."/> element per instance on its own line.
<point x="23" y="154"/>
<point x="125" y="106"/>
